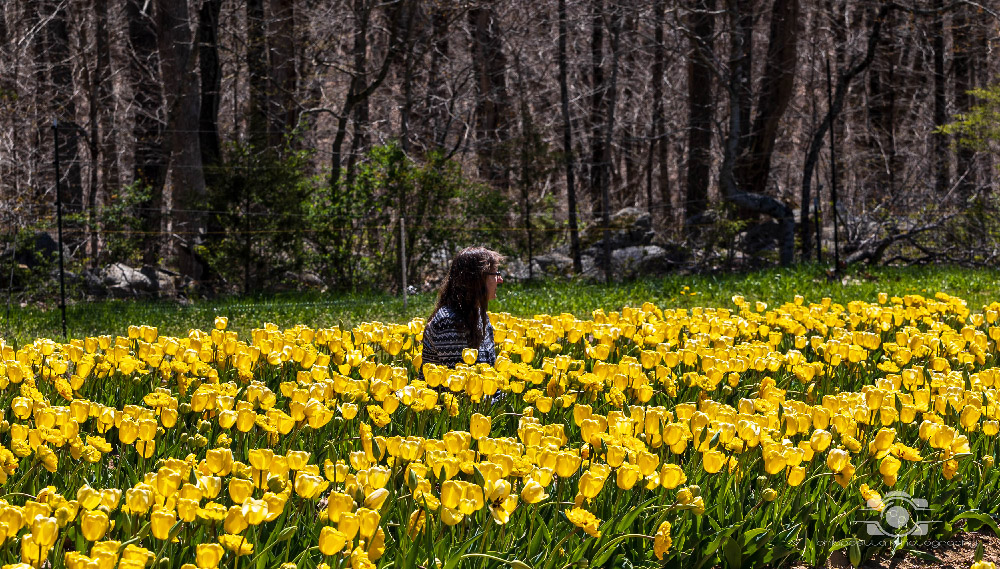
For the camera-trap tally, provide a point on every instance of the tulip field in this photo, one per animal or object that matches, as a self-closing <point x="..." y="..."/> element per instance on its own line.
<point x="738" y="436"/>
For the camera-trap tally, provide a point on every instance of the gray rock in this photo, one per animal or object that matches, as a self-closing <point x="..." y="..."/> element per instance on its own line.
<point x="163" y="281"/>
<point x="307" y="279"/>
<point x="645" y="260"/>
<point x="628" y="227"/>
<point x="121" y="281"/>
<point x="516" y="269"/>
<point x="554" y="264"/>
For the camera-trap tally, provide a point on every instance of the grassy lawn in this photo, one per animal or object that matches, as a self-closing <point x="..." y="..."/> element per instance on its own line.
<point x="978" y="287"/>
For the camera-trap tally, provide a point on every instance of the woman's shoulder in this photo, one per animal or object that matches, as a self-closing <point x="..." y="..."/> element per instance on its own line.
<point x="445" y="317"/>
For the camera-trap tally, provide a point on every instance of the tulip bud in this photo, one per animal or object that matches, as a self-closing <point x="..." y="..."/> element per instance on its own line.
<point x="769" y="494"/>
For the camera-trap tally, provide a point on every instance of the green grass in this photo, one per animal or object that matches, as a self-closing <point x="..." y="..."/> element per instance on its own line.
<point x="773" y="286"/>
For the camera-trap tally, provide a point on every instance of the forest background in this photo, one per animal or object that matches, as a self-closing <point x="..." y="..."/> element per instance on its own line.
<point x="255" y="145"/>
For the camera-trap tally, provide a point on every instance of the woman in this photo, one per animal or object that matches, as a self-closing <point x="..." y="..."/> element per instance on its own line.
<point x="459" y="319"/>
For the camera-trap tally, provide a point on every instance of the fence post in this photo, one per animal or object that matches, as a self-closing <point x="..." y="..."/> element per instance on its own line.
<point x="62" y="275"/>
<point x="402" y="255"/>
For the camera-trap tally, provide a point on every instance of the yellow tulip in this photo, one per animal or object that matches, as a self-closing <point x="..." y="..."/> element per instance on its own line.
<point x="533" y="492"/>
<point x="662" y="540"/>
<point x="239" y="490"/>
<point x="375" y="499"/>
<point x="713" y="461"/>
<point x="349" y="524"/>
<point x="235" y="522"/>
<point x="255" y="511"/>
<point x="368" y="521"/>
<point x="139" y="499"/>
<point x="451" y="517"/>
<point x="208" y="555"/>
<point x="331" y="541"/>
<point x="44" y="531"/>
<point x="93" y="525"/>
<point x="591" y="484"/>
<point x="820" y="440"/>
<point x="796" y="474"/>
<point x="309" y="486"/>
<point x="88" y="497"/>
<point x="567" y="464"/>
<point x="671" y="476"/>
<point x="837" y="460"/>
<point x="480" y="426"/>
<point x="627" y="476"/>
<point x="161" y="520"/>
<point x="337" y="504"/>
<point x="469" y="355"/>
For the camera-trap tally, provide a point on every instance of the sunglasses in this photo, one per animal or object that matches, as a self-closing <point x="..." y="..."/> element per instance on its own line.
<point x="493" y="275"/>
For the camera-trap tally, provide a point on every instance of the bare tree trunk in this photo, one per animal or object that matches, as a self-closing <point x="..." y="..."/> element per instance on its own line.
<point x="436" y="88"/>
<point x="881" y="109"/>
<point x="489" y="65"/>
<point x="283" y="108"/>
<point x="750" y="202"/>
<point x="776" y="88"/>
<point x="359" y="120"/>
<point x="701" y="107"/>
<point x="150" y="163"/>
<point x="211" y="81"/>
<point x="742" y="15"/>
<point x="942" y="164"/>
<point x="185" y="187"/>
<point x="658" y="142"/>
<point x="63" y="105"/>
<point x="598" y="90"/>
<point x="963" y="46"/>
<point x="257" y="70"/>
<point x="574" y="234"/>
<point x="618" y="15"/>
<point x="102" y="128"/>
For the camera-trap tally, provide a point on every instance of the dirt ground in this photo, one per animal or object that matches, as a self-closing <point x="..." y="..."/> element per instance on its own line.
<point x="956" y="553"/>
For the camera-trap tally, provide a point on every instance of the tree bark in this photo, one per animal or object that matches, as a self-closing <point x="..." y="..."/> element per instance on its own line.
<point x="258" y="72"/>
<point x="489" y="65"/>
<point x="63" y="105"/>
<point x="436" y="88"/>
<point x="211" y="83"/>
<point x="149" y="170"/>
<point x="701" y="107"/>
<point x="942" y="163"/>
<point x="658" y="141"/>
<point x="283" y="107"/>
<point x="102" y="129"/>
<point x="598" y="90"/>
<point x="617" y="16"/>
<point x="359" y="119"/>
<point x="742" y="16"/>
<point x="574" y="234"/>
<point x="185" y="186"/>
<point x="776" y="88"/>
<point x="732" y="191"/>
<point x="964" y="49"/>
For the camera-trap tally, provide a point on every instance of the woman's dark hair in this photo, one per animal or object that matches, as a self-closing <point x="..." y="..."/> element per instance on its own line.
<point x="464" y="291"/>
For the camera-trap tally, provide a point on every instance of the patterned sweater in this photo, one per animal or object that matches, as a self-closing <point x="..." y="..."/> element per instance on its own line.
<point x="445" y="338"/>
